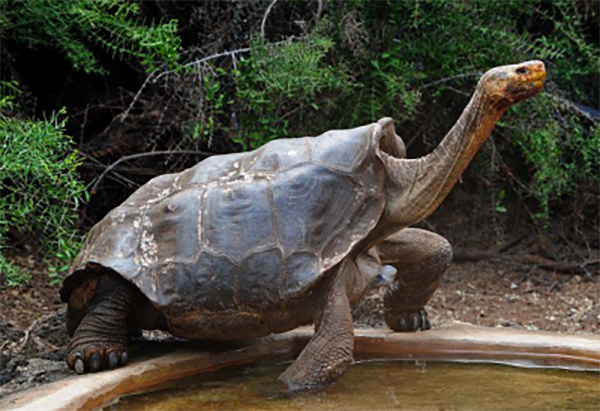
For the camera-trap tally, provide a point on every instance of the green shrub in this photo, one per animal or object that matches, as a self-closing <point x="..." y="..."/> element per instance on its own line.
<point x="39" y="184"/>
<point x="280" y="84"/>
<point x="74" y="26"/>
<point x="40" y="189"/>
<point x="563" y="153"/>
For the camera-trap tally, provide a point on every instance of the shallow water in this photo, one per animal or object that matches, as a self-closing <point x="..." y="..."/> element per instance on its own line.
<point x="393" y="385"/>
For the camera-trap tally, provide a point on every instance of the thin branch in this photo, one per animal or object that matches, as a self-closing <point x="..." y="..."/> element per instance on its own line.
<point x="153" y="77"/>
<point x="203" y="60"/>
<point x="140" y="155"/>
<point x="319" y="11"/>
<point x="85" y="116"/>
<point x="451" y="78"/>
<point x="457" y="91"/>
<point x="118" y="177"/>
<point x="573" y="106"/>
<point x="264" y="20"/>
<point x="561" y="267"/>
<point x="137" y="95"/>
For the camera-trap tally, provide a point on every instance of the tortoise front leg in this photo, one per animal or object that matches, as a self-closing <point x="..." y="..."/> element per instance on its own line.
<point x="329" y="352"/>
<point x="420" y="258"/>
<point x="100" y="340"/>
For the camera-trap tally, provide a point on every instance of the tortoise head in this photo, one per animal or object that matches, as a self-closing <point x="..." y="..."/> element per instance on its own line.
<point x="507" y="85"/>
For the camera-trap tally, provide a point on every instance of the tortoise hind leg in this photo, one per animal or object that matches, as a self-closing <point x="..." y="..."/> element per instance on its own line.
<point x="329" y="352"/>
<point x="420" y="258"/>
<point x="100" y="340"/>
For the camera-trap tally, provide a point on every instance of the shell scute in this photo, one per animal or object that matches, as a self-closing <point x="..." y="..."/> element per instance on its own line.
<point x="170" y="284"/>
<point x="173" y="227"/>
<point x="237" y="219"/>
<point x="302" y="269"/>
<point x="342" y="150"/>
<point x="213" y="280"/>
<point x="212" y="169"/>
<point x="281" y="154"/>
<point x="310" y="202"/>
<point x="260" y="281"/>
<point x="154" y="191"/>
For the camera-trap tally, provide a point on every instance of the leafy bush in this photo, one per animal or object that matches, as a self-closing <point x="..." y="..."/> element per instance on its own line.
<point x="72" y="26"/>
<point x="562" y="151"/>
<point x="40" y="188"/>
<point x="278" y="83"/>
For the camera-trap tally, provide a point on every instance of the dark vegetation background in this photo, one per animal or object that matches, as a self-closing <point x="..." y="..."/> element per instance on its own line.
<point x="100" y="96"/>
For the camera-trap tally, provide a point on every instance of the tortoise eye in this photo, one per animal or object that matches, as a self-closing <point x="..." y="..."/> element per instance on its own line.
<point x="521" y="70"/>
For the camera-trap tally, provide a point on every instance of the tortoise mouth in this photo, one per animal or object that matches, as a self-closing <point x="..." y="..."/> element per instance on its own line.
<point x="538" y="85"/>
<point x="538" y="79"/>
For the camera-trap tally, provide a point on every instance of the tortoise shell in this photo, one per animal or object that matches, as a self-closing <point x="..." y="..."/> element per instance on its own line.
<point x="243" y="232"/>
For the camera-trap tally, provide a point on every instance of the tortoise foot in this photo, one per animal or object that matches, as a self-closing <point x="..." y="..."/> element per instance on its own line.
<point x="97" y="357"/>
<point x="407" y="321"/>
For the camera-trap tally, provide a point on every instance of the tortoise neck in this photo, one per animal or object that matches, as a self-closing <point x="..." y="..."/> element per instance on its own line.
<point x="418" y="186"/>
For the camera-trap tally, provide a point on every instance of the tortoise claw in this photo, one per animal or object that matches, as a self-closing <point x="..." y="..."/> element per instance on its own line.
<point x="96" y="357"/>
<point x="79" y="367"/>
<point x="407" y="321"/>
<point x="94" y="363"/>
<point x="414" y="322"/>
<point x="426" y="324"/>
<point x="113" y="360"/>
<point x="401" y="325"/>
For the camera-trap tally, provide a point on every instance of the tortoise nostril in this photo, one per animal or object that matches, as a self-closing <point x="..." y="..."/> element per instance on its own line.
<point x="521" y="70"/>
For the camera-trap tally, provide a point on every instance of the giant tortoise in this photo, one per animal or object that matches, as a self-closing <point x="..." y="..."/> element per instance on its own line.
<point x="245" y="245"/>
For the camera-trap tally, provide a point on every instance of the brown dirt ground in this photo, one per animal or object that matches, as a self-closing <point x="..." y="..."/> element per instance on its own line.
<point x="497" y="295"/>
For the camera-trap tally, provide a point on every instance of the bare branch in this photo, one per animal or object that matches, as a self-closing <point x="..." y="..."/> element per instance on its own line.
<point x="563" y="267"/>
<point x="264" y="20"/>
<point x="451" y="78"/>
<point x="319" y="10"/>
<point x="573" y="107"/>
<point x="203" y="60"/>
<point x="153" y="77"/>
<point x="137" y="95"/>
<point x="117" y="177"/>
<point x="139" y="155"/>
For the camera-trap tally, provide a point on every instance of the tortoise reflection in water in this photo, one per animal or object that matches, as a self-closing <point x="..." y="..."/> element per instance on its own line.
<point x="244" y="245"/>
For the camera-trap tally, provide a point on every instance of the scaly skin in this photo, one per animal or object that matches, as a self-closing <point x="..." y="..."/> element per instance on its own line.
<point x="420" y="258"/>
<point x="100" y="340"/>
<point x="329" y="351"/>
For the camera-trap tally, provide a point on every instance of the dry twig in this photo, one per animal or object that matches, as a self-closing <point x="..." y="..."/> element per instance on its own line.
<point x="264" y="20"/>
<point x="451" y="78"/>
<point x="140" y="155"/>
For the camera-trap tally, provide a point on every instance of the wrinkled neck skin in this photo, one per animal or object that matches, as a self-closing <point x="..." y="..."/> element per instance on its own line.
<point x="416" y="187"/>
